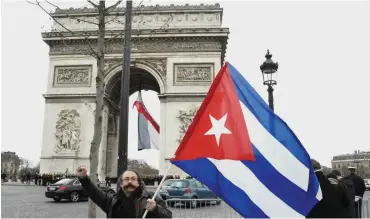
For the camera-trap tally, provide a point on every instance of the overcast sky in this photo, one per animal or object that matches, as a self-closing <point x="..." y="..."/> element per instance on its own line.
<point x="323" y="88"/>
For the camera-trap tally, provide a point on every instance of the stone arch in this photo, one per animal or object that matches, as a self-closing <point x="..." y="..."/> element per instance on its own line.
<point x="117" y="69"/>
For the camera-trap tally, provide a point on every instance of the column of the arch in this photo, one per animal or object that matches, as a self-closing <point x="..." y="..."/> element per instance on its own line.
<point x="103" y="145"/>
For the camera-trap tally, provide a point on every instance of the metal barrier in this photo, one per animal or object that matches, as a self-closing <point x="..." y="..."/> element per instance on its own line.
<point x="358" y="203"/>
<point x="365" y="213"/>
<point x="216" y="208"/>
<point x="201" y="208"/>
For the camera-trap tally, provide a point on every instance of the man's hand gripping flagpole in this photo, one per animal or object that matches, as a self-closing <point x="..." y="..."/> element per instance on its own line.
<point x="159" y="187"/>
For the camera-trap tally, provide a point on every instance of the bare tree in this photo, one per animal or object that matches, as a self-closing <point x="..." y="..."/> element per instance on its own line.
<point x="98" y="53"/>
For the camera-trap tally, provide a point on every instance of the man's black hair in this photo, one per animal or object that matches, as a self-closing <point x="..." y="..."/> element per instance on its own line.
<point x="336" y="172"/>
<point x="141" y="182"/>
<point x="315" y="164"/>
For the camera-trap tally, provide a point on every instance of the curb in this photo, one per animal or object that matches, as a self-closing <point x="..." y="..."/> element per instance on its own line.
<point x="20" y="184"/>
<point x="8" y="184"/>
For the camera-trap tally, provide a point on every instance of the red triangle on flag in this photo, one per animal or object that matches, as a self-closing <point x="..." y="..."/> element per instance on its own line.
<point x="218" y="129"/>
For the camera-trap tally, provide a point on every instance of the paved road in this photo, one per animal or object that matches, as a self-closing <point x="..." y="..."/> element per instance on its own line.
<point x="29" y="201"/>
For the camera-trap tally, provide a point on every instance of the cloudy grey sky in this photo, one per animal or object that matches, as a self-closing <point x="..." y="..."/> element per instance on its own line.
<point x="323" y="78"/>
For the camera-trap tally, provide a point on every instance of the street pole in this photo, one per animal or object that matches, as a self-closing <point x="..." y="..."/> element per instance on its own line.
<point x="125" y="94"/>
<point x="270" y="90"/>
<point x="269" y="69"/>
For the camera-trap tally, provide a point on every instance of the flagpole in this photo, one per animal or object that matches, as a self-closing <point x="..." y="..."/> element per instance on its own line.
<point x="159" y="187"/>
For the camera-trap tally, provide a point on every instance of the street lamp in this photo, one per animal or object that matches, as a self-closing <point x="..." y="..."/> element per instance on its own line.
<point x="268" y="69"/>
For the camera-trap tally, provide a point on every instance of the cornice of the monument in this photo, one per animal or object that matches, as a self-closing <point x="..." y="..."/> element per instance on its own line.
<point x="156" y="8"/>
<point x="144" y="33"/>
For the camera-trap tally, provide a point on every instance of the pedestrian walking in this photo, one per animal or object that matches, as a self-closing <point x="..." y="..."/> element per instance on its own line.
<point x="131" y="199"/>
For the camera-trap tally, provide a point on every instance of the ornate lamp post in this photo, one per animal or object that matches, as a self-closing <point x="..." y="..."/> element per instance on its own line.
<point x="268" y="69"/>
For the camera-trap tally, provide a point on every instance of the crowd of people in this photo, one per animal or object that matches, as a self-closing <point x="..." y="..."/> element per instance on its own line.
<point x="342" y="195"/>
<point x="44" y="179"/>
<point x="50" y="178"/>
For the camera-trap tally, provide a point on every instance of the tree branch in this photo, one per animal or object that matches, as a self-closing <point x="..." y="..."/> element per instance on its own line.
<point x="64" y="27"/>
<point x="93" y="4"/>
<point x="112" y="7"/>
<point x="78" y="19"/>
<point x="81" y="51"/>
<point x="31" y="2"/>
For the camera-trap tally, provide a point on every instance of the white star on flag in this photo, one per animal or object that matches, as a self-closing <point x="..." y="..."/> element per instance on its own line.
<point x="218" y="128"/>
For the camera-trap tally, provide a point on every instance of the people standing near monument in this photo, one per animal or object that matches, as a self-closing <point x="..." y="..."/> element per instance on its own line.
<point x="28" y="178"/>
<point x="359" y="185"/>
<point x="331" y="204"/>
<point x="131" y="199"/>
<point x="348" y="187"/>
<point x="3" y="176"/>
<point x="107" y="181"/>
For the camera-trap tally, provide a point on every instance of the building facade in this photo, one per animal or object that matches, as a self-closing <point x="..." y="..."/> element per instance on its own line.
<point x="10" y="165"/>
<point x="358" y="159"/>
<point x="177" y="51"/>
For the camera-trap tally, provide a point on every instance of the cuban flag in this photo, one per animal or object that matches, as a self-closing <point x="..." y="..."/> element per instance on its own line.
<point x="148" y="128"/>
<point x="246" y="154"/>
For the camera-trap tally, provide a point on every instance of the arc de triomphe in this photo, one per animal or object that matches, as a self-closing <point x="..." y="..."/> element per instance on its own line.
<point x="177" y="50"/>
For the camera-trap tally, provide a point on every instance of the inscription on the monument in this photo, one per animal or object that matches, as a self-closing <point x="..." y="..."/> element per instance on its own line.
<point x="72" y="75"/>
<point x="193" y="73"/>
<point x="186" y="117"/>
<point x="67" y="131"/>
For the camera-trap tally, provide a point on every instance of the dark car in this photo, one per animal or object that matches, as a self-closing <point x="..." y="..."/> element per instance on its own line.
<point x="367" y="184"/>
<point x="195" y="191"/>
<point x="70" y="189"/>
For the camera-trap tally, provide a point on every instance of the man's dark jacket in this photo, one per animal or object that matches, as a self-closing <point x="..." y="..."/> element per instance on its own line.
<point x="359" y="186"/>
<point x="348" y="188"/>
<point x="358" y="183"/>
<point x="106" y="202"/>
<point x="331" y="204"/>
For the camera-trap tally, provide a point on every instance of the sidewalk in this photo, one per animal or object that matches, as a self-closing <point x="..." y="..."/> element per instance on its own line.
<point x="17" y="184"/>
<point x="113" y="186"/>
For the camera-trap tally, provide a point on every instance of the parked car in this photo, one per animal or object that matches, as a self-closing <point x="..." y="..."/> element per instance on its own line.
<point x="166" y="184"/>
<point x="367" y="184"/>
<point x="71" y="189"/>
<point x="189" y="189"/>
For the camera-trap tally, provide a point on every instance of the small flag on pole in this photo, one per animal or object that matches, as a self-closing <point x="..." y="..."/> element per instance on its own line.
<point x="148" y="128"/>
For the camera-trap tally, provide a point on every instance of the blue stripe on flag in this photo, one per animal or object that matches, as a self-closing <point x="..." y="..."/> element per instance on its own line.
<point x="209" y="175"/>
<point x="282" y="187"/>
<point x="251" y="99"/>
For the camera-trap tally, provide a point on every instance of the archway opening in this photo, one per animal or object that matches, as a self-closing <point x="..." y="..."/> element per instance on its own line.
<point x="139" y="80"/>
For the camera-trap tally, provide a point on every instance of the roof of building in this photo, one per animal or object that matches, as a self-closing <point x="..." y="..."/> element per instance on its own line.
<point x="143" y="8"/>
<point x="354" y="156"/>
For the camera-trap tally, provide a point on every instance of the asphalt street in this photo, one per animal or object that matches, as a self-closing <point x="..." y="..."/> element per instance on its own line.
<point x="30" y="201"/>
